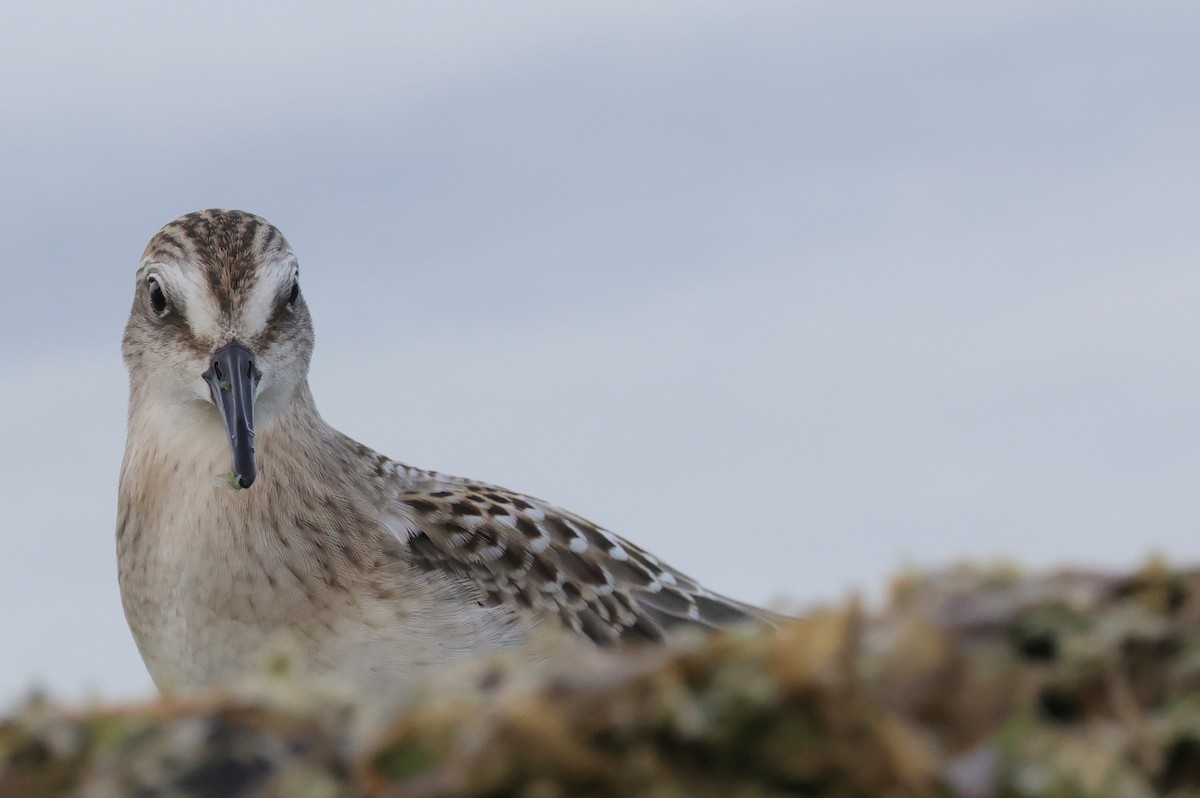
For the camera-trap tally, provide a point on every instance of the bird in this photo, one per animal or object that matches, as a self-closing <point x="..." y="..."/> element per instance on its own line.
<point x="243" y="514"/>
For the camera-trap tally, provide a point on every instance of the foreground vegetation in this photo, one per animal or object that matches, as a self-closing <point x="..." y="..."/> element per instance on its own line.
<point x="972" y="683"/>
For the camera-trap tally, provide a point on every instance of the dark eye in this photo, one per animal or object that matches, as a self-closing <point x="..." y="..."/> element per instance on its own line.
<point x="158" y="300"/>
<point x="292" y="297"/>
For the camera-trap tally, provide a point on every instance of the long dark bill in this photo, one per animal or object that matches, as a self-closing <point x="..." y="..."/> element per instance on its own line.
<point x="232" y="381"/>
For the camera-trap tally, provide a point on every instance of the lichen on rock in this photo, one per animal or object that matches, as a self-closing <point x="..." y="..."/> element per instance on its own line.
<point x="972" y="682"/>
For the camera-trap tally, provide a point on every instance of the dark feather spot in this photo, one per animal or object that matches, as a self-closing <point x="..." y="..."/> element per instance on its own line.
<point x="540" y="569"/>
<point x="668" y="600"/>
<point x="595" y="628"/>
<point x="528" y="528"/>
<point x="595" y="537"/>
<point x="559" y="531"/>
<point x="572" y="592"/>
<point x="629" y="572"/>
<point x="584" y="570"/>
<point x="513" y="558"/>
<point x="641" y="631"/>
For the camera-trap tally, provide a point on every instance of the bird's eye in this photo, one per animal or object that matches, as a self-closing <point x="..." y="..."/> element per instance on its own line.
<point x="158" y="300"/>
<point x="292" y="297"/>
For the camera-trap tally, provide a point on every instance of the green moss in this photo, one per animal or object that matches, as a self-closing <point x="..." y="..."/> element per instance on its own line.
<point x="398" y="762"/>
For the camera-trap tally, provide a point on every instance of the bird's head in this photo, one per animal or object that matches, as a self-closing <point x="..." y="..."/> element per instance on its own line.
<point x="219" y="325"/>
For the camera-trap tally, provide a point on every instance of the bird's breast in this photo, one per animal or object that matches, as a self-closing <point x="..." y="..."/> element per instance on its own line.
<point x="214" y="581"/>
<point x="203" y="580"/>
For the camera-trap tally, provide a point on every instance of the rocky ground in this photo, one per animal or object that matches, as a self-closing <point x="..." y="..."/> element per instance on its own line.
<point x="972" y="683"/>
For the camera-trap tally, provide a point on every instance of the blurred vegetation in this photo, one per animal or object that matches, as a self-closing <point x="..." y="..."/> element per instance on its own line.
<point x="975" y="683"/>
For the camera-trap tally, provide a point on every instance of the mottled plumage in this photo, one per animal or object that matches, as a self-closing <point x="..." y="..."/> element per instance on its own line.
<point x="377" y="571"/>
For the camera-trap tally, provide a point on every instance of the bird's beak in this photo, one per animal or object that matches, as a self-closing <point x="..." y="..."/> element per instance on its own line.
<point x="232" y="381"/>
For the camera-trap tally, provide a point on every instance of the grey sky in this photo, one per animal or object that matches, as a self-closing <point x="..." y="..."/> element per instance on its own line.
<point x="793" y="294"/>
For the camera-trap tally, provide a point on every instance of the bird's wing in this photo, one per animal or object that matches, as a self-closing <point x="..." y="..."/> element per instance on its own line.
<point x="521" y="552"/>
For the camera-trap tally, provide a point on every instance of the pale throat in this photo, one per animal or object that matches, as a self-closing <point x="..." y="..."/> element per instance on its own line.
<point x="187" y="430"/>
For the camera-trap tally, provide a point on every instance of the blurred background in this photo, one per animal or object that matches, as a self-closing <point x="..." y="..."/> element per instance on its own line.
<point x="795" y="295"/>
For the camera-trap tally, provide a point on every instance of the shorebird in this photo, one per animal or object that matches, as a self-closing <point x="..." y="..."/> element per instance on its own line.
<point x="241" y="513"/>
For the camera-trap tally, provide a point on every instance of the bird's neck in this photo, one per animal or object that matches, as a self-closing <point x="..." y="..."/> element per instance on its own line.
<point x="170" y="442"/>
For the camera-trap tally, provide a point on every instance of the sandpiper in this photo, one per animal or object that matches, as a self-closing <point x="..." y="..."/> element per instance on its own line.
<point x="241" y="513"/>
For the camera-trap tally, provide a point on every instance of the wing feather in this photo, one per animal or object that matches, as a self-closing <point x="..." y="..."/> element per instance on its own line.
<point x="514" y="550"/>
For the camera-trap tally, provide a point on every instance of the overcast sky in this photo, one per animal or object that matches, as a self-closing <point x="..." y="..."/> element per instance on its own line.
<point x="792" y="294"/>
